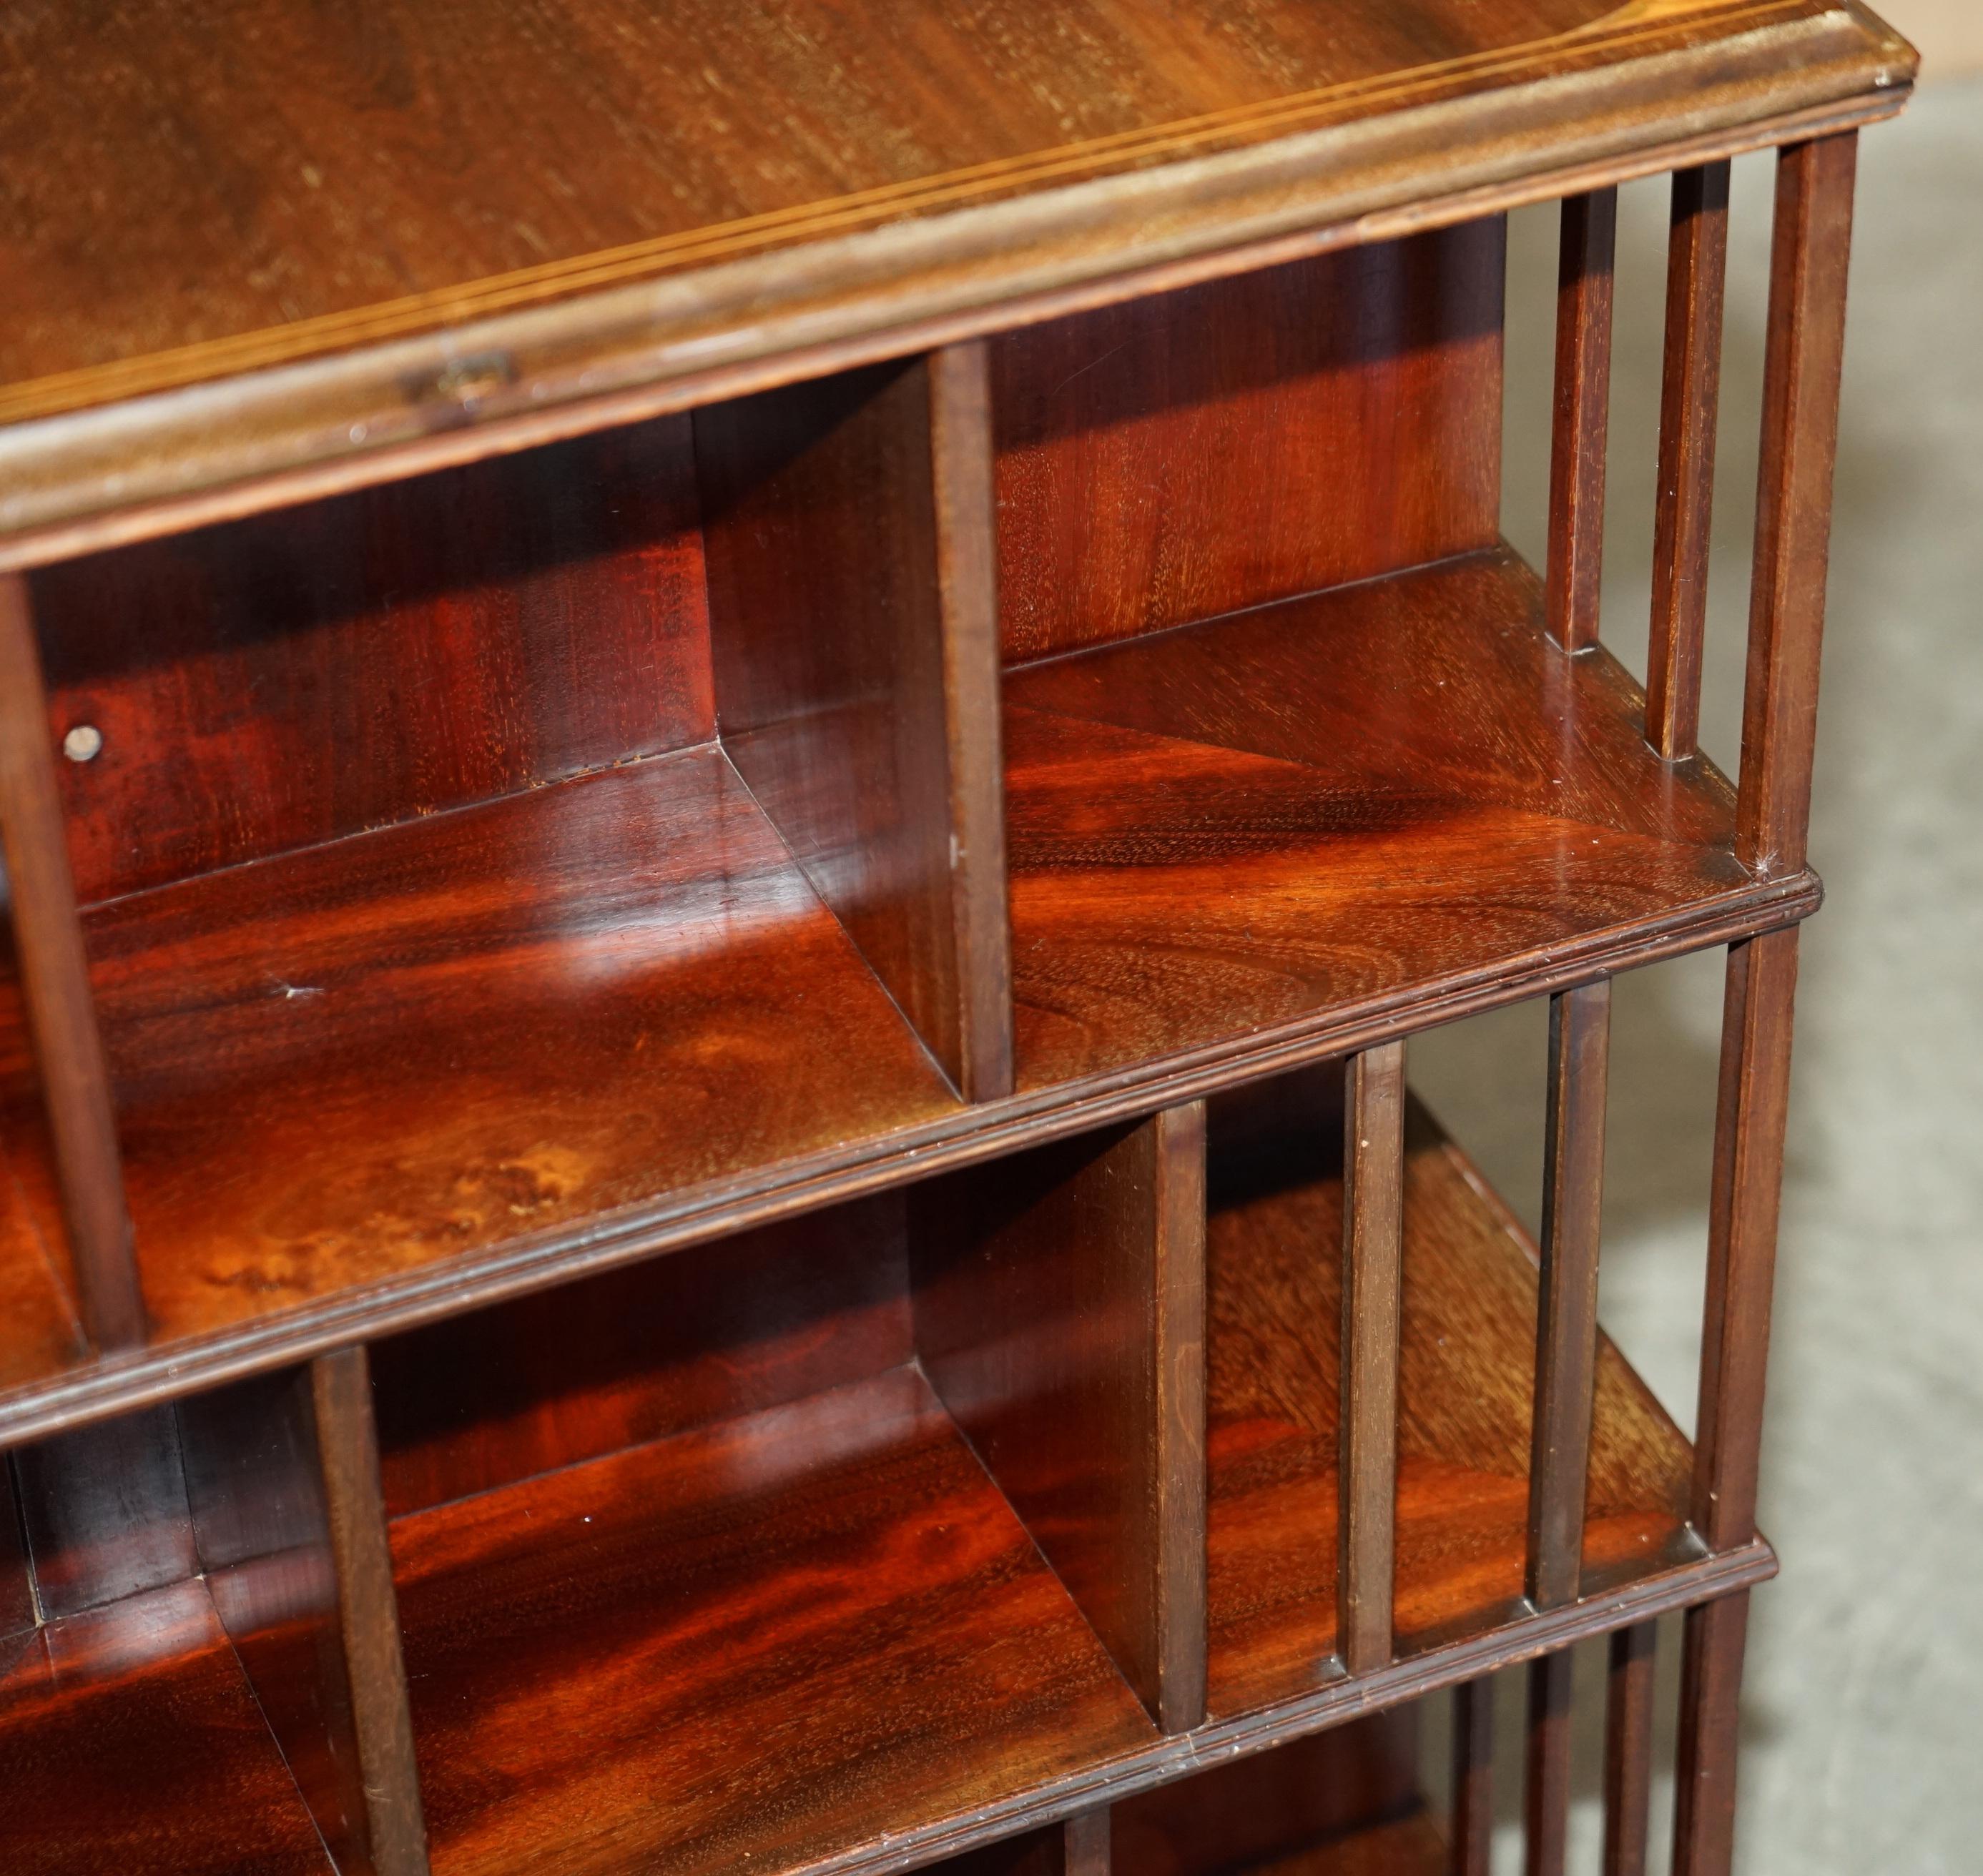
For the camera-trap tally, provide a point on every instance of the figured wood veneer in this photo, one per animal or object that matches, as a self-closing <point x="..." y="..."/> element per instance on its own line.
<point x="1243" y="826"/>
<point x="362" y="1057"/>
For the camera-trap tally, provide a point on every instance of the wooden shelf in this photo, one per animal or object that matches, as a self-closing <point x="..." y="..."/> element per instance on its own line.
<point x="356" y="1059"/>
<point x="821" y="1620"/>
<point x="130" y="1740"/>
<point x="1371" y="797"/>
<point x="739" y="1647"/>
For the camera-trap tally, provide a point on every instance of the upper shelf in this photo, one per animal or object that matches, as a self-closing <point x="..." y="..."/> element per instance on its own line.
<point x="285" y="278"/>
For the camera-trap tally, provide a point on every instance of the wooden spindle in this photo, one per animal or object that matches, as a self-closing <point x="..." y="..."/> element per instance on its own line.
<point x="1582" y="404"/>
<point x="368" y="1613"/>
<point x="55" y="982"/>
<point x="1696" y="272"/>
<point x="1567" y="1323"/>
<point x="1546" y="1803"/>
<point x="1373" y="1276"/>
<point x="1800" y="381"/>
<point x="1628" y="1749"/>
<point x="1471" y="1839"/>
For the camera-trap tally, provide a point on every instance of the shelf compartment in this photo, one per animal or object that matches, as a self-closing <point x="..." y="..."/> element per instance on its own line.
<point x="342" y="1063"/>
<point x="1370" y="798"/>
<point x="130" y="1739"/>
<point x="741" y="1645"/>
<point x="1467" y="1369"/>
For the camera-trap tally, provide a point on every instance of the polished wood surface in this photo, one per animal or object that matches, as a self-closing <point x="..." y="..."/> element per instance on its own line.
<point x="1464" y="1395"/>
<point x="1266" y="821"/>
<point x="275" y="1033"/>
<point x="852" y="676"/>
<point x="1801" y="389"/>
<point x="1567" y="1317"/>
<point x="1372" y="1283"/>
<point x="721" y="1329"/>
<point x="1585" y="290"/>
<point x="1354" y="399"/>
<point x="129" y="1741"/>
<point x="1707" y="1757"/>
<point x="381" y="198"/>
<point x="1060" y="1316"/>
<point x="285" y="681"/>
<point x="55" y="1006"/>
<point x="1690" y="395"/>
<point x="783" y="1622"/>
<point x="104" y="1512"/>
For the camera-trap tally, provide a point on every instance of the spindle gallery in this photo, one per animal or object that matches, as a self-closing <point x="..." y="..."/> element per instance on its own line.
<point x="736" y="745"/>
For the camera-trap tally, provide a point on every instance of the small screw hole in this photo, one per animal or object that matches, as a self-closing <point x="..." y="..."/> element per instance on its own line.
<point x="83" y="744"/>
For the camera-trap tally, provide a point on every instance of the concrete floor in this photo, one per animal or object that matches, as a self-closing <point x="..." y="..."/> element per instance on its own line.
<point x="1863" y="1721"/>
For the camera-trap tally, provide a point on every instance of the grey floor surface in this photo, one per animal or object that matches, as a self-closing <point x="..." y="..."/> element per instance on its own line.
<point x="1863" y="1732"/>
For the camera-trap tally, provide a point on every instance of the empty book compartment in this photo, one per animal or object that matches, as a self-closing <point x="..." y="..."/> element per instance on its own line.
<point x="1289" y="740"/>
<point x="424" y="911"/>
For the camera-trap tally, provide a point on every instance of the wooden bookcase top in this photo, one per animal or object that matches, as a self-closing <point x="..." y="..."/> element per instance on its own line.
<point x="318" y="247"/>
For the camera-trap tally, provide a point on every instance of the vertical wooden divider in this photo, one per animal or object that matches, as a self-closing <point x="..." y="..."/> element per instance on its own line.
<point x="1690" y="398"/>
<point x="1059" y="1300"/>
<point x="1546" y="1798"/>
<point x="1807" y="332"/>
<point x="55" y="981"/>
<point x="1373" y="1196"/>
<point x="849" y="540"/>
<point x="1582" y="411"/>
<point x="282" y="1475"/>
<point x="1471" y="1836"/>
<point x="1628" y="1749"/>
<point x="1083" y="1844"/>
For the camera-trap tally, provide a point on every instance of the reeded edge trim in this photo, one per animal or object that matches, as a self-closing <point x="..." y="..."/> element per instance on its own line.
<point x="92" y="479"/>
<point x="450" y="1288"/>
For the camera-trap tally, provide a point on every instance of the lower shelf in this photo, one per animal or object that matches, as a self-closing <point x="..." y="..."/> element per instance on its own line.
<point x="130" y="1741"/>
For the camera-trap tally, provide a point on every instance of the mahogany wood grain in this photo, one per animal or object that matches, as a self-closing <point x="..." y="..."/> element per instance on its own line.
<point x="1751" y="1116"/>
<point x="1584" y="294"/>
<point x="58" y="1012"/>
<point x="1708" y="1753"/>
<point x="129" y="1741"/>
<point x="1465" y="1395"/>
<point x="1566" y="1316"/>
<point x="1060" y="1316"/>
<point x="721" y="1329"/>
<point x="283" y="1475"/>
<point x="1628" y="1749"/>
<point x="362" y="1058"/>
<point x="1471" y="1836"/>
<point x="1406" y="1846"/>
<point x="1373" y="1177"/>
<point x="1547" y="1787"/>
<point x="852" y="626"/>
<point x="104" y="1510"/>
<point x="1254" y="1813"/>
<point x="1263" y="822"/>
<point x="1356" y="398"/>
<point x="788" y="1623"/>
<point x="1801" y="386"/>
<point x="1690" y="395"/>
<point x="285" y="681"/>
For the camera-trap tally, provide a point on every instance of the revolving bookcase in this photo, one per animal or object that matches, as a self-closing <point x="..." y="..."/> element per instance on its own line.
<point x="734" y="747"/>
